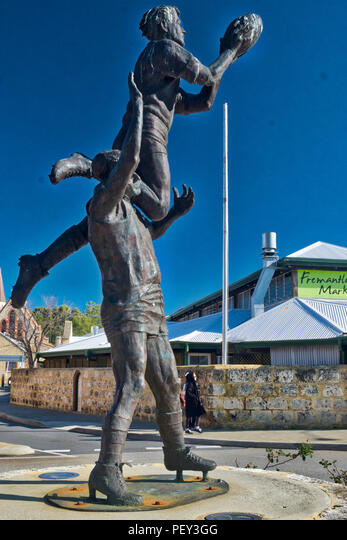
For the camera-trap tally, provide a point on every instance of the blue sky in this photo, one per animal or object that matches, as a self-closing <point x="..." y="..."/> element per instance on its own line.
<point x="63" y="88"/>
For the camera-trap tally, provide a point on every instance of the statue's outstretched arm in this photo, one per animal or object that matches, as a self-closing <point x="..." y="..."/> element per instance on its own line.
<point x="130" y="154"/>
<point x="195" y="103"/>
<point x="239" y="37"/>
<point x="113" y="190"/>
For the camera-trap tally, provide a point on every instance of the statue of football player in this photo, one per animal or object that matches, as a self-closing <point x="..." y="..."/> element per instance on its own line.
<point x="158" y="71"/>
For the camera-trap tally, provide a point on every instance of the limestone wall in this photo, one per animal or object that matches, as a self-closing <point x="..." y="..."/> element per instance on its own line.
<point x="235" y="397"/>
<point x="252" y="397"/>
<point x="7" y="348"/>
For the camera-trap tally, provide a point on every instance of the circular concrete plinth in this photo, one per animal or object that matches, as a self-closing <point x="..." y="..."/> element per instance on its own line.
<point x="271" y="495"/>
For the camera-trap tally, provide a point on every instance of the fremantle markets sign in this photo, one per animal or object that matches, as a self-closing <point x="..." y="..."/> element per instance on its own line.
<point x="322" y="284"/>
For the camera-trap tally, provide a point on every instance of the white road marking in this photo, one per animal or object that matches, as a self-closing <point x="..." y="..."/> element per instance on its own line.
<point x="60" y="451"/>
<point x="48" y="456"/>
<point x="202" y="446"/>
<point x="53" y="452"/>
<point x="207" y="446"/>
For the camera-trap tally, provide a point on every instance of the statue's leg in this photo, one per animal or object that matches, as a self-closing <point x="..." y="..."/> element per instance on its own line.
<point x="162" y="377"/>
<point x="35" y="267"/>
<point x="154" y="171"/>
<point x="129" y="363"/>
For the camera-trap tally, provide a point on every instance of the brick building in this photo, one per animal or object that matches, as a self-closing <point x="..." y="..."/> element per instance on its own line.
<point x="13" y="323"/>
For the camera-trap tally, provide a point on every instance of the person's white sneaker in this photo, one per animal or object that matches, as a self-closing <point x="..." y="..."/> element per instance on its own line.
<point x="198" y="429"/>
<point x="189" y="431"/>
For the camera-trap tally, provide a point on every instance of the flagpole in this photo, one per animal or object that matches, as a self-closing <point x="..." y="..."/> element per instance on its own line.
<point x="225" y="300"/>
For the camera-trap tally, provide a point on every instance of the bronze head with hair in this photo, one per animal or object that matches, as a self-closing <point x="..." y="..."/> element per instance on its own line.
<point x="162" y="22"/>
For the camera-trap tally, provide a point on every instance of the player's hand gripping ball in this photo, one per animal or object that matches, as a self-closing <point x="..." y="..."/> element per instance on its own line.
<point x="243" y="33"/>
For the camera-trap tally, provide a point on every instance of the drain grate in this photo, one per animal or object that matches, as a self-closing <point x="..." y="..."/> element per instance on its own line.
<point x="233" y="515"/>
<point x="58" y="475"/>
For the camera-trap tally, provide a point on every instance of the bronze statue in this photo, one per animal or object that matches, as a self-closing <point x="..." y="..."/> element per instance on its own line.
<point x="157" y="74"/>
<point x="135" y="175"/>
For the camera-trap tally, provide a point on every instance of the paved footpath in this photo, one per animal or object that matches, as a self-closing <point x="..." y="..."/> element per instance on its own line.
<point x="334" y="439"/>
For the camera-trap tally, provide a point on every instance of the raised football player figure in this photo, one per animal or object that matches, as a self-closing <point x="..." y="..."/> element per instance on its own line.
<point x="158" y="71"/>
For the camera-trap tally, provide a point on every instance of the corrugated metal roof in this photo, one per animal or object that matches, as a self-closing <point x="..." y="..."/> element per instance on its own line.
<point x="83" y="344"/>
<point x="200" y="337"/>
<point x="203" y="330"/>
<point x="296" y="319"/>
<point x="209" y="323"/>
<point x="334" y="311"/>
<point x="321" y="250"/>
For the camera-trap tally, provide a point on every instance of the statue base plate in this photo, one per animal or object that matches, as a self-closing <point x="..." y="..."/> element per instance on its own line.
<point x="158" y="491"/>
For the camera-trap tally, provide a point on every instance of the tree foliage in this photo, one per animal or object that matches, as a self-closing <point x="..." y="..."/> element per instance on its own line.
<point x="35" y="328"/>
<point x="48" y="321"/>
<point x="54" y="319"/>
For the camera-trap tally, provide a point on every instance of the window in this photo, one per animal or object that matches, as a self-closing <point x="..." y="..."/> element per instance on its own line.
<point x="288" y="288"/>
<point x="199" y="359"/>
<point x="280" y="290"/>
<point x="244" y="299"/>
<point x="11" y="366"/>
<point x="12" y="324"/>
<point x="209" y="310"/>
<point x="4" y="326"/>
<point x="230" y="304"/>
<point x="273" y="292"/>
<point x="20" y="330"/>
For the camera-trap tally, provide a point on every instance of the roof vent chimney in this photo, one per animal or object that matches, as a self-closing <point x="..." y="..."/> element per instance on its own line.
<point x="269" y="244"/>
<point x="67" y="334"/>
<point x="270" y="258"/>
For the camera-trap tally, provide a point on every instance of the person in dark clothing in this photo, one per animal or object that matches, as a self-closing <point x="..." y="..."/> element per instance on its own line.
<point x="194" y="406"/>
<point x="182" y="397"/>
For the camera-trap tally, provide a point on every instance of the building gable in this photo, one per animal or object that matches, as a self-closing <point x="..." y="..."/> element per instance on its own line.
<point x="9" y="347"/>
